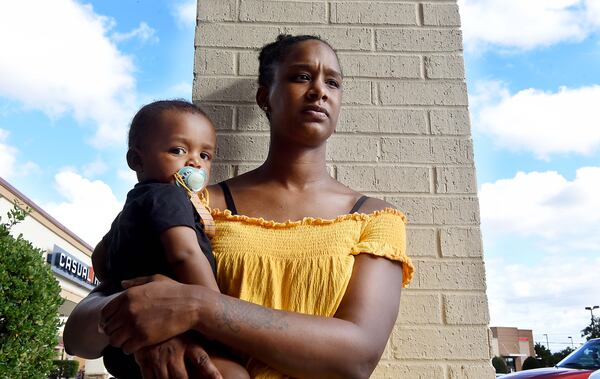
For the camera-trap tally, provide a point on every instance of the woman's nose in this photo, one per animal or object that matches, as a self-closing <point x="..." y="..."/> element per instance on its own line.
<point x="317" y="91"/>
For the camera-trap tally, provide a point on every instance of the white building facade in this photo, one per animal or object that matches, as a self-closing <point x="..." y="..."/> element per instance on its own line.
<point x="67" y="254"/>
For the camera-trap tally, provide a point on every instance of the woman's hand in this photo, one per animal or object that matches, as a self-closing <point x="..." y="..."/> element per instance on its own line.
<point x="150" y="310"/>
<point x="168" y="359"/>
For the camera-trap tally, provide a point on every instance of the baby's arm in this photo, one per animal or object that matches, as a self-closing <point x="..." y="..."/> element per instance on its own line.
<point x="191" y="266"/>
<point x="186" y="257"/>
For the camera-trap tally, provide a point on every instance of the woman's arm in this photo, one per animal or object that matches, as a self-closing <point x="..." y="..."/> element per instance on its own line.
<point x="82" y="336"/>
<point x="346" y="346"/>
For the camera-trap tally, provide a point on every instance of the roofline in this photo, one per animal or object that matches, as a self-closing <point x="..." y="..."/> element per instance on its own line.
<point x="43" y="213"/>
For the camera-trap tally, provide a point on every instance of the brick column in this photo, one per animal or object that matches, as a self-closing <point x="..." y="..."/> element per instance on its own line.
<point x="403" y="135"/>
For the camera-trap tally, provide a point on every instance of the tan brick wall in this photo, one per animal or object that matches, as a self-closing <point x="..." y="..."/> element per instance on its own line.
<point x="403" y="136"/>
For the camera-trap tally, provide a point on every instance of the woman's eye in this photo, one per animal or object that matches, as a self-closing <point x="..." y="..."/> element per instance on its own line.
<point x="334" y="83"/>
<point x="302" y="77"/>
<point x="205" y="156"/>
<point x="177" y="151"/>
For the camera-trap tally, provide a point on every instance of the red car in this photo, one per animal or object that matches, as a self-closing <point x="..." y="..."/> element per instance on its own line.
<point x="580" y="364"/>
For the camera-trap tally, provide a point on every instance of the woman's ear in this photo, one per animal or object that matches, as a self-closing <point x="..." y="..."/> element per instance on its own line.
<point x="262" y="98"/>
<point x="134" y="160"/>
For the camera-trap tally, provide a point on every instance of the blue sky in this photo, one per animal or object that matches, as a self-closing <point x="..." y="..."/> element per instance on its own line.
<point x="74" y="72"/>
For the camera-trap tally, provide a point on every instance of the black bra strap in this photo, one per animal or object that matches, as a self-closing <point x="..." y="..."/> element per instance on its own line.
<point x="358" y="204"/>
<point x="228" y="198"/>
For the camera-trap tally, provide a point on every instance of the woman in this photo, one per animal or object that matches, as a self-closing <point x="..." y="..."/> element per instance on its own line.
<point x="314" y="298"/>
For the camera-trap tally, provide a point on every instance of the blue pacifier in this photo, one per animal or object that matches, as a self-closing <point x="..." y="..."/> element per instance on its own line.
<point x="193" y="179"/>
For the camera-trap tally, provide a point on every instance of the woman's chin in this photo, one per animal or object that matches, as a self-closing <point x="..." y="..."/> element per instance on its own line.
<point x="313" y="137"/>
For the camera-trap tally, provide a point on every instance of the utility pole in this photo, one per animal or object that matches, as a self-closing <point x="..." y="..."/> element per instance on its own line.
<point x="547" y="343"/>
<point x="572" y="346"/>
<point x="591" y="309"/>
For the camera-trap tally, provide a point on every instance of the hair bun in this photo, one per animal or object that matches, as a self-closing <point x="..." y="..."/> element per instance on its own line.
<point x="283" y="36"/>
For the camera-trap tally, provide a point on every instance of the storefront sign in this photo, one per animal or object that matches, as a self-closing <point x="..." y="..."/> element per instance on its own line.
<point x="69" y="267"/>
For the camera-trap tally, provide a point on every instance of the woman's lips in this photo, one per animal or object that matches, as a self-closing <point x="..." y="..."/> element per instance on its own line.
<point x="315" y="112"/>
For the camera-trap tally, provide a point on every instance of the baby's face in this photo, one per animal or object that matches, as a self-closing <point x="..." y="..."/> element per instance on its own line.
<point x="180" y="139"/>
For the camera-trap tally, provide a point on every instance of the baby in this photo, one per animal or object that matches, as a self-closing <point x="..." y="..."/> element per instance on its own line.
<point x="160" y="229"/>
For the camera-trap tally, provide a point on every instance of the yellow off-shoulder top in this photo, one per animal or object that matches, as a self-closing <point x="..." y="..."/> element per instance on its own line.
<point x="301" y="266"/>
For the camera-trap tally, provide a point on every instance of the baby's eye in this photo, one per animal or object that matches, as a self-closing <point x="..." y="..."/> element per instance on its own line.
<point x="177" y="151"/>
<point x="205" y="156"/>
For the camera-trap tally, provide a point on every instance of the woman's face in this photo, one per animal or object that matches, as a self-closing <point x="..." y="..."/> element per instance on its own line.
<point x="305" y="96"/>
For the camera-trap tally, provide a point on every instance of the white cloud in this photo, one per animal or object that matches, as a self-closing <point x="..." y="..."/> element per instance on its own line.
<point x="55" y="56"/>
<point x="548" y="297"/>
<point x="180" y="90"/>
<point x="89" y="207"/>
<point x="143" y="32"/>
<point x="560" y="215"/>
<point x="9" y="166"/>
<point x="127" y="176"/>
<point x="545" y="123"/>
<point x="7" y="156"/>
<point x="527" y="24"/>
<point x="185" y="12"/>
<point x="95" y="168"/>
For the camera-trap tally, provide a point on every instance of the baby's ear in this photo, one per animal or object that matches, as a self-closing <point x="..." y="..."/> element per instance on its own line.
<point x="134" y="160"/>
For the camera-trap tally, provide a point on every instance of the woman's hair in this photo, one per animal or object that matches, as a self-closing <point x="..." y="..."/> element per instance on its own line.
<point x="275" y="52"/>
<point x="149" y="114"/>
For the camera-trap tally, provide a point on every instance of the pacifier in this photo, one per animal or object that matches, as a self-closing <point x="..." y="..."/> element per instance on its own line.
<point x="191" y="178"/>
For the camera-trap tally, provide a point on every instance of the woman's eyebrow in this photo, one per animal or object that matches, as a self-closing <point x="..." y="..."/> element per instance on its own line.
<point x="329" y="71"/>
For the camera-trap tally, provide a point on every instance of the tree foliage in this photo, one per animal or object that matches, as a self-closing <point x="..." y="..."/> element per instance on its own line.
<point x="544" y="354"/>
<point x="559" y="356"/>
<point x="64" y="369"/>
<point x="592" y="330"/>
<point x="29" y="301"/>
<point x="531" y="363"/>
<point x="500" y="365"/>
<point x="549" y="359"/>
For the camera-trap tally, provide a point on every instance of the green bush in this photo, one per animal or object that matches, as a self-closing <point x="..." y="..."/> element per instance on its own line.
<point x="531" y="363"/>
<point x="29" y="301"/>
<point x="65" y="369"/>
<point x="500" y="365"/>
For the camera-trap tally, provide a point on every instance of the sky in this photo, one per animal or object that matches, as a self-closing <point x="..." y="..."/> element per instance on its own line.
<point x="72" y="74"/>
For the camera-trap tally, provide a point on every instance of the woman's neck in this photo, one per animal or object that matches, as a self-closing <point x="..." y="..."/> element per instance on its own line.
<point x="296" y="168"/>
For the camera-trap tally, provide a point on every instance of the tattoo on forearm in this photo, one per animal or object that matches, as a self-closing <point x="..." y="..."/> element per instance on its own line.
<point x="234" y="315"/>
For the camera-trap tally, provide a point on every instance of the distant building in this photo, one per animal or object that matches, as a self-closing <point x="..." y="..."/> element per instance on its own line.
<point x="512" y="344"/>
<point x="67" y="254"/>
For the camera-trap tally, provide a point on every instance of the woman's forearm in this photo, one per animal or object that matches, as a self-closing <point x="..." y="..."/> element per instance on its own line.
<point x="347" y="345"/>
<point x="299" y="345"/>
<point x="81" y="335"/>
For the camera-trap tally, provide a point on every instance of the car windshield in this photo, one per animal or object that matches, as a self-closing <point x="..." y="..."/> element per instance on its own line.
<point x="586" y="357"/>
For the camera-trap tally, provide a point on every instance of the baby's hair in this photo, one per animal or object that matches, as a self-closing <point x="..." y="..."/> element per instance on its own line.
<point x="149" y="114"/>
<point x="275" y="52"/>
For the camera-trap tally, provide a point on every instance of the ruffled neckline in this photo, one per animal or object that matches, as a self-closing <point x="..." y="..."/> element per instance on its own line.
<point x="226" y="214"/>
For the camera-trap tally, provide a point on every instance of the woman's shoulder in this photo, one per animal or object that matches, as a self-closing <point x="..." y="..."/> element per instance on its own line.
<point x="373" y="204"/>
<point x="236" y="184"/>
<point x="335" y="195"/>
<point x="216" y="199"/>
<point x="366" y="204"/>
